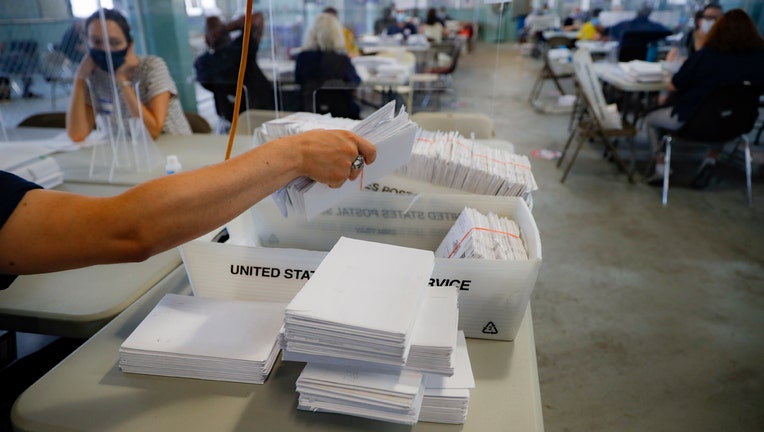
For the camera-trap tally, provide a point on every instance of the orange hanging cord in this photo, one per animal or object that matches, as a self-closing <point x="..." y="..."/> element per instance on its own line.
<point x="240" y="80"/>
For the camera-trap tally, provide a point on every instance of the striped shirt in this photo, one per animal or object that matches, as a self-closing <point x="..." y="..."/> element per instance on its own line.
<point x="153" y="79"/>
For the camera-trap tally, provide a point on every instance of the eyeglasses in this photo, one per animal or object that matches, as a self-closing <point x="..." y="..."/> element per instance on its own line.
<point x="709" y="17"/>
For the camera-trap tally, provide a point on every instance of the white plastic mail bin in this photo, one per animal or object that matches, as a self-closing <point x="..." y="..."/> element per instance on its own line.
<point x="493" y="294"/>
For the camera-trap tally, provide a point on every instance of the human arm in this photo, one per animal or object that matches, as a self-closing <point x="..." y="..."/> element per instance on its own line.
<point x="153" y="111"/>
<point x="53" y="230"/>
<point x="673" y="54"/>
<point x="80" y="118"/>
<point x="256" y="27"/>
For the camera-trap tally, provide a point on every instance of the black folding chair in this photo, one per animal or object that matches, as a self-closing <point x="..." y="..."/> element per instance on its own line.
<point x="727" y="113"/>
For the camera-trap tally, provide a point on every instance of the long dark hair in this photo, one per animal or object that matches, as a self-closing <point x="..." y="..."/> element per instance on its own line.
<point x="432" y="17"/>
<point x="734" y="32"/>
<point x="113" y="15"/>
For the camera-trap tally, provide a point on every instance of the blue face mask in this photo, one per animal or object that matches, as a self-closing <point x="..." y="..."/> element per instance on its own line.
<point x="99" y="58"/>
<point x="595" y="21"/>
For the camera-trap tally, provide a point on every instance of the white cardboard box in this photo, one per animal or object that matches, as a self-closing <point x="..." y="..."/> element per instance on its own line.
<point x="493" y="294"/>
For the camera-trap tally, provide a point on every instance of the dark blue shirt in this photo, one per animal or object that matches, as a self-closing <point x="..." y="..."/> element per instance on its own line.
<point x="407" y="29"/>
<point x="218" y="72"/>
<point x="12" y="191"/>
<point x="707" y="68"/>
<point x="318" y="69"/>
<point x="637" y="24"/>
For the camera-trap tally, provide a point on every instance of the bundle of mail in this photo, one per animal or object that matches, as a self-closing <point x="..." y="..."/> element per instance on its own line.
<point x="643" y="71"/>
<point x="204" y="338"/>
<point x="448" y="159"/>
<point x="393" y="135"/>
<point x="475" y="235"/>
<point x="370" y="336"/>
<point x="443" y="158"/>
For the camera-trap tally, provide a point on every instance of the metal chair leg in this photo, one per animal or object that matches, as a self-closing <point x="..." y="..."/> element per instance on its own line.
<point x="747" y="150"/>
<point x="536" y="89"/>
<point x="573" y="134"/>
<point x="666" y="168"/>
<point x="573" y="159"/>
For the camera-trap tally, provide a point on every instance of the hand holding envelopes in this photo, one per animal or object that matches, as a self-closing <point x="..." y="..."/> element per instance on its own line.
<point x="392" y="135"/>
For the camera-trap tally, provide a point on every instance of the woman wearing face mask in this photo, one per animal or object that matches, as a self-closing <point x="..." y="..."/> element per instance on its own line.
<point x="402" y="25"/>
<point x="733" y="52"/>
<point x="693" y="41"/>
<point x="156" y="101"/>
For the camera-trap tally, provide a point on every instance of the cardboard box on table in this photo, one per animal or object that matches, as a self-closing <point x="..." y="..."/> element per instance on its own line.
<point x="493" y="294"/>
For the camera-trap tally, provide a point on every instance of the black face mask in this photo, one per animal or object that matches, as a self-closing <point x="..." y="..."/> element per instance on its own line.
<point x="99" y="57"/>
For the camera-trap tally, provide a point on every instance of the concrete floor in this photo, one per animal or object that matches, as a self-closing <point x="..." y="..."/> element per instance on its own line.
<point x="646" y="318"/>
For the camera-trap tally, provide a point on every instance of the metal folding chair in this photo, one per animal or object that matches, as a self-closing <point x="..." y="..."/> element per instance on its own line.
<point x="547" y="73"/>
<point x="594" y="122"/>
<point x="728" y="113"/>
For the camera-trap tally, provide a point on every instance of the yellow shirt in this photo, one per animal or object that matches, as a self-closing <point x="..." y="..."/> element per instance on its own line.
<point x="350" y="46"/>
<point x="588" y="31"/>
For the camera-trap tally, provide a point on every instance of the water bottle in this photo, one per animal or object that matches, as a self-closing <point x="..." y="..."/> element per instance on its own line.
<point x="173" y="165"/>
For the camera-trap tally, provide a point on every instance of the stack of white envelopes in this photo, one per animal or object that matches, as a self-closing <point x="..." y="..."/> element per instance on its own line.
<point x="446" y="399"/>
<point x="483" y="236"/>
<point x="213" y="339"/>
<point x="451" y="160"/>
<point x="360" y="304"/>
<point x="434" y="338"/>
<point x="388" y="395"/>
<point x="643" y="71"/>
<point x="364" y="322"/>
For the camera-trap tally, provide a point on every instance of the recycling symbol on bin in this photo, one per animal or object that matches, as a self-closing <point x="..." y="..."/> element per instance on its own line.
<point x="490" y="328"/>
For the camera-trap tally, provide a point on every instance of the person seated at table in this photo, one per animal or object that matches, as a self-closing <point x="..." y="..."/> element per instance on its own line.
<point x="47" y="230"/>
<point x="536" y="24"/>
<point x="432" y="28"/>
<point x="443" y="15"/>
<point x="156" y="100"/>
<point x="693" y="40"/>
<point x="217" y="70"/>
<point x="574" y="21"/>
<point x="641" y="22"/>
<point x="592" y="30"/>
<point x="386" y="20"/>
<point x="733" y="51"/>
<point x="323" y="63"/>
<point x="351" y="46"/>
<point x="403" y="26"/>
